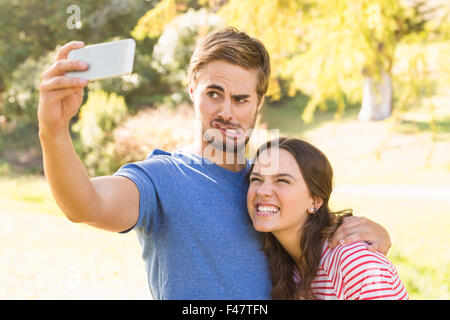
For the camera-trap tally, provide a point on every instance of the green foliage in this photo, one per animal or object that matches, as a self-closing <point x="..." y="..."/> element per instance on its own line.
<point x="4" y="167"/>
<point x="98" y="117"/>
<point x="176" y="44"/>
<point x="30" y="28"/>
<point x="275" y="23"/>
<point x="154" y="21"/>
<point x="145" y="87"/>
<point x="20" y="102"/>
<point x="176" y="29"/>
<point x="321" y="47"/>
<point x="318" y="48"/>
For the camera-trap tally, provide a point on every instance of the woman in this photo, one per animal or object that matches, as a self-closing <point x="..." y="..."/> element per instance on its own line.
<point x="290" y="186"/>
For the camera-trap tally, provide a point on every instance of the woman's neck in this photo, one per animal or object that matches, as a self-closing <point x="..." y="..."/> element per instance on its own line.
<point x="290" y="241"/>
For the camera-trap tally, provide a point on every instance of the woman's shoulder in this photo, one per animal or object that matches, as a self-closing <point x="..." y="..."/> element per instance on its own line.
<point x="361" y="273"/>
<point x="349" y="257"/>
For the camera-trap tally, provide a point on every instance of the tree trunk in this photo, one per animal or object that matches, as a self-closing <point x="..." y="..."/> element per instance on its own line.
<point x="377" y="98"/>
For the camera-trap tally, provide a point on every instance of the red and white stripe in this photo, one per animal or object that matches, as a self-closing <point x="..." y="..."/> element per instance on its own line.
<point x="352" y="272"/>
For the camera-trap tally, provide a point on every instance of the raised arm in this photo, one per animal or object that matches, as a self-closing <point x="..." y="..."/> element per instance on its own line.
<point x="110" y="203"/>
<point x="355" y="229"/>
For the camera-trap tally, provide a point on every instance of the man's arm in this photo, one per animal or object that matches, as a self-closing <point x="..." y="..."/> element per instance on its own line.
<point x="110" y="203"/>
<point x="355" y="229"/>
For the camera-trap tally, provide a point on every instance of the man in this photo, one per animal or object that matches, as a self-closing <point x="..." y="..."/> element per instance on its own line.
<point x="187" y="207"/>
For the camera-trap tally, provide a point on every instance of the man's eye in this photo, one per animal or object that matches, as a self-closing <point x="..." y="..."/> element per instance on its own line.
<point x="241" y="100"/>
<point x="212" y="94"/>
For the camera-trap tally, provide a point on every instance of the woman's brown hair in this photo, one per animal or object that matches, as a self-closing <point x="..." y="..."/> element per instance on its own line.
<point x="318" y="175"/>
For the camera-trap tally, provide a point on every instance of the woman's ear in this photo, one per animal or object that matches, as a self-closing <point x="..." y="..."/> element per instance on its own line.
<point x="317" y="203"/>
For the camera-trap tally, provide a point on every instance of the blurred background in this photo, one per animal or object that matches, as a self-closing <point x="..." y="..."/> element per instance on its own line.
<point x="367" y="81"/>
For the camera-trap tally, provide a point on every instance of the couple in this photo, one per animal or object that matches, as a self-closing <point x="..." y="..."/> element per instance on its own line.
<point x="189" y="208"/>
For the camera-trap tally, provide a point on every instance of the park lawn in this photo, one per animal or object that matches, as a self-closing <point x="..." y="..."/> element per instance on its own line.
<point x="419" y="232"/>
<point x="402" y="151"/>
<point x="27" y="193"/>
<point x="396" y="154"/>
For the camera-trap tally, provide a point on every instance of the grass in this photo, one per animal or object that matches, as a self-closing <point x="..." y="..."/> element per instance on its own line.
<point x="419" y="234"/>
<point x="287" y="115"/>
<point x="400" y="150"/>
<point x="27" y="193"/>
<point x="403" y="153"/>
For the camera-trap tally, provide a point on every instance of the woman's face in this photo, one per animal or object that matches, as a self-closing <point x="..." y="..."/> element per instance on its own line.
<point x="278" y="198"/>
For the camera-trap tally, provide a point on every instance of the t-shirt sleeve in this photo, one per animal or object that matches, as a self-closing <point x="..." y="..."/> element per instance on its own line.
<point x="148" y="198"/>
<point x="369" y="275"/>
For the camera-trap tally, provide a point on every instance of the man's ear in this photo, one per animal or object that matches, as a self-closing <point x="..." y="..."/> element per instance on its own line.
<point x="261" y="103"/>
<point x="191" y="93"/>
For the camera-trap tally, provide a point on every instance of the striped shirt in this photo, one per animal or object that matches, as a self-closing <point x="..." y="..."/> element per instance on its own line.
<point x="352" y="272"/>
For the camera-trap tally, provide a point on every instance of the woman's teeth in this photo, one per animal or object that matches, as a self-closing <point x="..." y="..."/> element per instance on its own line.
<point x="267" y="209"/>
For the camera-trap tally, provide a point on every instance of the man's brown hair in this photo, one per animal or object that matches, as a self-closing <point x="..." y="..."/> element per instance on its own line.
<point x="236" y="47"/>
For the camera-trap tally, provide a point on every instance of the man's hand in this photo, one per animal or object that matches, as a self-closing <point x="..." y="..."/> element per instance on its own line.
<point x="60" y="96"/>
<point x="355" y="229"/>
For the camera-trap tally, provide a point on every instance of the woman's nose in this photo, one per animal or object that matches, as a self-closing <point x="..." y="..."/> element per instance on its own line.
<point x="264" y="191"/>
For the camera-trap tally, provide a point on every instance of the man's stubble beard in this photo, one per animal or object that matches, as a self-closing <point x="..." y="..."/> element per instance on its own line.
<point x="224" y="144"/>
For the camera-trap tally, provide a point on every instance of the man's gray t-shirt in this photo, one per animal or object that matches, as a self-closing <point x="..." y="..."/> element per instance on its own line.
<point x="197" y="239"/>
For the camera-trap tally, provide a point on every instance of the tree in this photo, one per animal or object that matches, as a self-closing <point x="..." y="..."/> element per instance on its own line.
<point x="30" y="31"/>
<point x="31" y="28"/>
<point x="322" y="46"/>
<point x="175" y="45"/>
<point x="327" y="48"/>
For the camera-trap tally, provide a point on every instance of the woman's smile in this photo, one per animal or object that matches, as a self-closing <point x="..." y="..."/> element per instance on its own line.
<point x="266" y="209"/>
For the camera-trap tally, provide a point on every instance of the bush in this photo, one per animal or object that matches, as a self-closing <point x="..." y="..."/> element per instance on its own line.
<point x="169" y="130"/>
<point x="162" y="128"/>
<point x="20" y="101"/>
<point x="144" y="87"/>
<point x="97" y="120"/>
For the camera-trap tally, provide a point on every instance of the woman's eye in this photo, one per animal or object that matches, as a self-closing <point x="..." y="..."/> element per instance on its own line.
<point x="283" y="180"/>
<point x="254" y="179"/>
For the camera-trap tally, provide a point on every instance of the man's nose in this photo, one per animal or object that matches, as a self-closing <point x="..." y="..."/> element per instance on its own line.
<point x="225" y="111"/>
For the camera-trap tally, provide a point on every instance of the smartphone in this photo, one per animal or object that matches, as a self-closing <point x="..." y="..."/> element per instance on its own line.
<point x="106" y="60"/>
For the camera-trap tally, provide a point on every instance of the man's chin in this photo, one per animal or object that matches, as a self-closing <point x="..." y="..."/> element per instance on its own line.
<point x="229" y="145"/>
<point x="224" y="143"/>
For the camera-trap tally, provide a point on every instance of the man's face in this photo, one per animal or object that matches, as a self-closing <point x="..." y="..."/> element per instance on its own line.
<point x="225" y="98"/>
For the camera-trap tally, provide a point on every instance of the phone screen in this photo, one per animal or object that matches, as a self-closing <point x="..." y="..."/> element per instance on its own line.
<point x="106" y="60"/>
